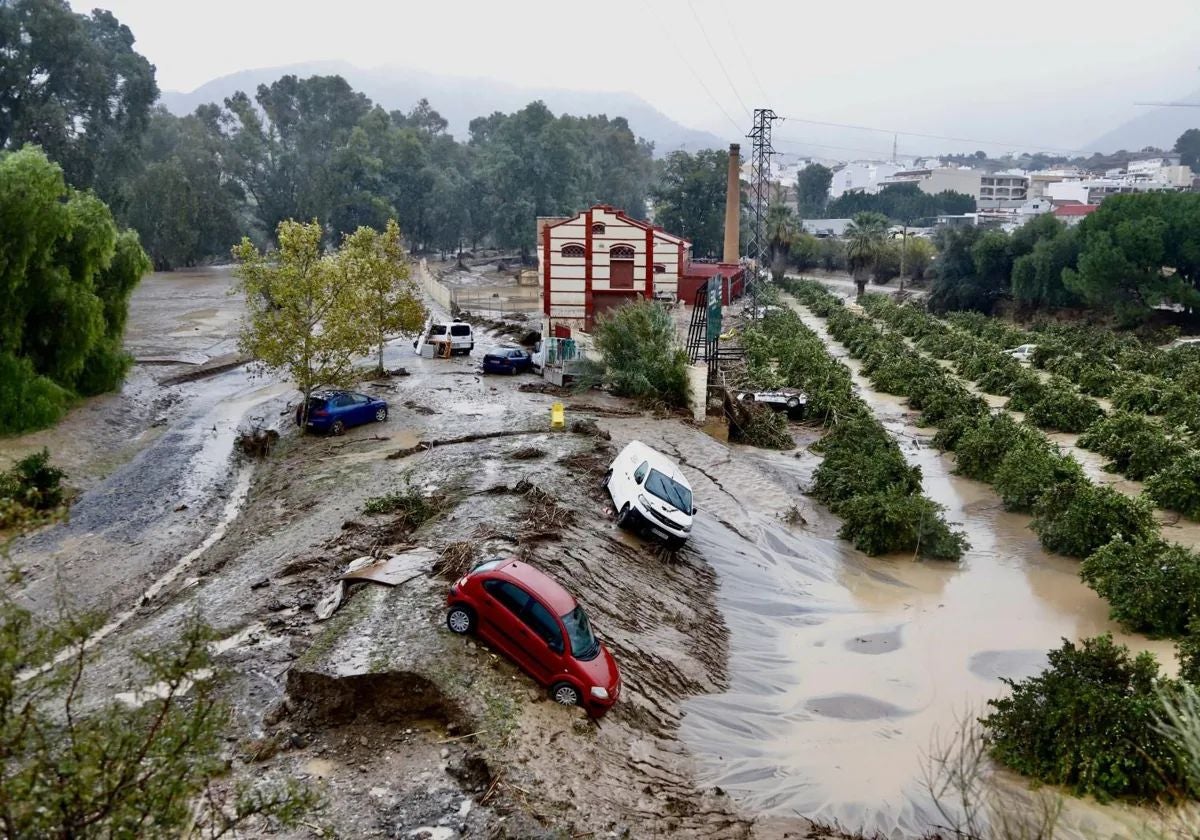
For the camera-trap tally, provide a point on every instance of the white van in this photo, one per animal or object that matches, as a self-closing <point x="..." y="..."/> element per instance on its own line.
<point x="648" y="490"/>
<point x="460" y="334"/>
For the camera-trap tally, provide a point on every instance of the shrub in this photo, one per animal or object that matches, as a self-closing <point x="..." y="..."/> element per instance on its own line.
<point x="642" y="357"/>
<point x="1062" y="409"/>
<point x="1151" y="586"/>
<point x="28" y="401"/>
<point x="764" y="428"/>
<point x="1026" y="391"/>
<point x="34" y="482"/>
<point x="861" y="459"/>
<point x="1088" y="722"/>
<point x="1029" y="470"/>
<point x="982" y="447"/>
<point x="1002" y="378"/>
<point x="1076" y="518"/>
<point x="1097" y="380"/>
<point x="1137" y="445"/>
<point x="1187" y="651"/>
<point x="1177" y="486"/>
<point x="1141" y="394"/>
<point x="883" y="523"/>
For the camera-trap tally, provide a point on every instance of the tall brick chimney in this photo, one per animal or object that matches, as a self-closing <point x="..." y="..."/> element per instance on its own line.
<point x="733" y="205"/>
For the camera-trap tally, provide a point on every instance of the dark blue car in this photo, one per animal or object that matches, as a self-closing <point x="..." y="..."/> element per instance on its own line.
<point x="336" y="411"/>
<point x="509" y="360"/>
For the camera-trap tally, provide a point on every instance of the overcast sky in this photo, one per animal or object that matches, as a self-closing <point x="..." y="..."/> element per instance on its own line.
<point x="1051" y="73"/>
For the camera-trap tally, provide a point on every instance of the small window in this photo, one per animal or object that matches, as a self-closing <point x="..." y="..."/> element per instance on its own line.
<point x="621" y="252"/>
<point x="574" y="252"/>
<point x="540" y="621"/>
<point x="513" y="597"/>
<point x="359" y="399"/>
<point x="659" y="268"/>
<point x="641" y="471"/>
<point x="597" y="228"/>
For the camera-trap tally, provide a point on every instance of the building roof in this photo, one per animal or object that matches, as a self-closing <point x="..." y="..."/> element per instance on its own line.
<point x="1076" y="209"/>
<point x="623" y="216"/>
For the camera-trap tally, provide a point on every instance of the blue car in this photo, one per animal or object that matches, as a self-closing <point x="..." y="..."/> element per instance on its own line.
<point x="336" y="411"/>
<point x="510" y="360"/>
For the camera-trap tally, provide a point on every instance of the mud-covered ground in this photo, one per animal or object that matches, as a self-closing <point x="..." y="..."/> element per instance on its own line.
<point x="401" y="725"/>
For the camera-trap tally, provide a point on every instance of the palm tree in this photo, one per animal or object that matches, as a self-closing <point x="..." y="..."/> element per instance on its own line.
<point x="866" y="237"/>
<point x="781" y="230"/>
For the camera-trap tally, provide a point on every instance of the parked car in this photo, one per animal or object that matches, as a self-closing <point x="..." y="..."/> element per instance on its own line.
<point x="458" y="333"/>
<point x="532" y="619"/>
<point x="511" y="360"/>
<point x="649" y="492"/>
<point x="336" y="411"/>
<point x="792" y="401"/>
<point x="1024" y="353"/>
<point x="1184" y="341"/>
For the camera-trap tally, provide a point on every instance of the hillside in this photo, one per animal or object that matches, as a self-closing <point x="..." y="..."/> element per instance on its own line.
<point x="461" y="99"/>
<point x="1154" y="127"/>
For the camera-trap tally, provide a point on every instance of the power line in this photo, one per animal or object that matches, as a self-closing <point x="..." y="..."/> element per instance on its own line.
<point x="717" y="56"/>
<point x="749" y="64"/>
<point x="796" y="141"/>
<point x="935" y="136"/>
<point x="688" y="64"/>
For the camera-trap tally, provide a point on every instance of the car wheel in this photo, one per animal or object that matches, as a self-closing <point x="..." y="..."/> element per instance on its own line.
<point x="676" y="543"/>
<point x="338" y="428"/>
<point x="793" y="402"/>
<point x="460" y="620"/>
<point x="380" y="415"/>
<point x="625" y="517"/>
<point x="565" y="694"/>
<point x="512" y="371"/>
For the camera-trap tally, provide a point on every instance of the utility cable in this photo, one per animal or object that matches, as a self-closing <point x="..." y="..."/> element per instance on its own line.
<point x="650" y="4"/>
<point x="936" y="136"/>
<point x="749" y="64"/>
<point x="717" y="56"/>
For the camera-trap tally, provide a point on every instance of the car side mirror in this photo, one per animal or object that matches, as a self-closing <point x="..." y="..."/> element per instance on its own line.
<point x="638" y="478"/>
<point x="695" y="510"/>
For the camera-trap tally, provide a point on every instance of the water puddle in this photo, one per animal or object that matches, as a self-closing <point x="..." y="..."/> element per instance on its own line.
<point x="845" y="670"/>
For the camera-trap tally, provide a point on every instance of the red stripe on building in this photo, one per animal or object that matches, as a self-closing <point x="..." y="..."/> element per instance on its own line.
<point x="650" y="264"/>
<point x="587" y="270"/>
<point x="546" y="268"/>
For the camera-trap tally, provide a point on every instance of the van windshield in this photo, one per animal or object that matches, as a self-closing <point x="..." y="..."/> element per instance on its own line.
<point x="670" y="491"/>
<point x="579" y="631"/>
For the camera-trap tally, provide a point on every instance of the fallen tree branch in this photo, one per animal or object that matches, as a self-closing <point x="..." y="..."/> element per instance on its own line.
<point x="430" y="444"/>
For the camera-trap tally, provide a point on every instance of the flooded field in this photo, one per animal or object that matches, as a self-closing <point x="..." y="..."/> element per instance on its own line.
<point x="845" y="670"/>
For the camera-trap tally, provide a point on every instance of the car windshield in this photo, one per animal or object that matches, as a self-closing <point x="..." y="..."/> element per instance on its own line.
<point x="579" y="631"/>
<point x="670" y="491"/>
<point x="488" y="566"/>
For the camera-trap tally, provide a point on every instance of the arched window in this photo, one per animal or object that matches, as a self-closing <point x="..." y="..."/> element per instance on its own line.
<point x="659" y="268"/>
<point x="573" y="251"/>
<point x="621" y="252"/>
<point x="597" y="228"/>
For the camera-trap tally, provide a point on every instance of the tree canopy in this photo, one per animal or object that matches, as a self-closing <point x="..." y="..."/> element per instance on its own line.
<point x="74" y="85"/>
<point x="689" y="199"/>
<point x="901" y="203"/>
<point x="1188" y="148"/>
<point x="812" y="190"/>
<point x="66" y="274"/>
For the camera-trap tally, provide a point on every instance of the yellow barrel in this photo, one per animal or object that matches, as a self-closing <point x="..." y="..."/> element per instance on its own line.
<point x="558" y="418"/>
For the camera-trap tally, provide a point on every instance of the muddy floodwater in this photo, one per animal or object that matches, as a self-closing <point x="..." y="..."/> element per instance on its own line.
<point x="845" y="670"/>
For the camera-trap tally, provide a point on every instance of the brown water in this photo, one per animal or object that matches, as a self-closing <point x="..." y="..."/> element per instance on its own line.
<point x="844" y="669"/>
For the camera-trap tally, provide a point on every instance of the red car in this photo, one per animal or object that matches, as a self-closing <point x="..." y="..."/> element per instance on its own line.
<point x="527" y="615"/>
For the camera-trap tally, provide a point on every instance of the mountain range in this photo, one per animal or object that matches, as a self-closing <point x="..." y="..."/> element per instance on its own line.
<point x="459" y="100"/>
<point x="1158" y="127"/>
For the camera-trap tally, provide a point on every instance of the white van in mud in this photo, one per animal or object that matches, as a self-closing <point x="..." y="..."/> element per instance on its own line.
<point x="459" y="334"/>
<point x="649" y="491"/>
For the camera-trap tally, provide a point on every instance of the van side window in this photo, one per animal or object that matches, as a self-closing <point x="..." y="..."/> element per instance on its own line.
<point x="640" y="472"/>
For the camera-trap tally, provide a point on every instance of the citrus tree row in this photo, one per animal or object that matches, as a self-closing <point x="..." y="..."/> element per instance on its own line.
<point x="1089" y="721"/>
<point x="863" y="476"/>
<point x="1161" y="452"/>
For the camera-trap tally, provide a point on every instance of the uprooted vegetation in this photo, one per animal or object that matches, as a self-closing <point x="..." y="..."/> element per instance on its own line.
<point x="31" y="492"/>
<point x="411" y="505"/>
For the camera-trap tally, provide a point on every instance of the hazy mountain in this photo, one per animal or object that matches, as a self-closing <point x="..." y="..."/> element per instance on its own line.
<point x="1155" y="127"/>
<point x="460" y="100"/>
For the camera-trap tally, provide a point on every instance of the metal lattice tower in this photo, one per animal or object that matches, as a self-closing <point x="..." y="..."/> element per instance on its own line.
<point x="760" y="192"/>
